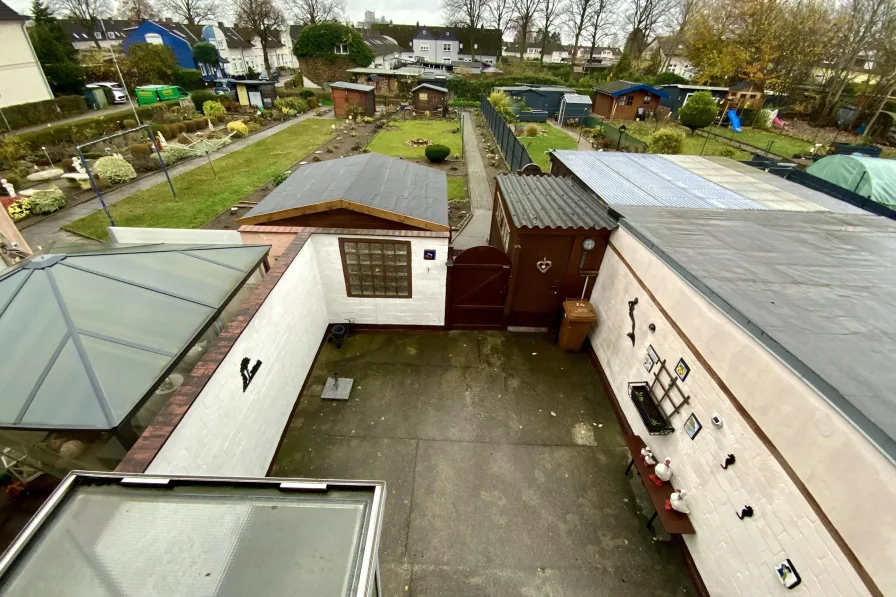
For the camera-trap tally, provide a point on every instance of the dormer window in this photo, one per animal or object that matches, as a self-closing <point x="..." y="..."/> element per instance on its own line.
<point x="341" y="49"/>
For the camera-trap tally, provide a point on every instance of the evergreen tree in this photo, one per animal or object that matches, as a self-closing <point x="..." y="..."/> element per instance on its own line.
<point x="56" y="55"/>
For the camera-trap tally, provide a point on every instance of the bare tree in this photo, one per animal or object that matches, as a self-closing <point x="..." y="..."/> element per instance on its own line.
<point x="136" y="10"/>
<point x="643" y="18"/>
<point x="467" y="14"/>
<point x="524" y="15"/>
<point x="310" y="12"/>
<point x="550" y="10"/>
<point x="683" y="14"/>
<point x="191" y="11"/>
<point x="599" y="20"/>
<point x="576" y="19"/>
<point x="499" y="14"/>
<point x="86" y="13"/>
<point x="264" y="18"/>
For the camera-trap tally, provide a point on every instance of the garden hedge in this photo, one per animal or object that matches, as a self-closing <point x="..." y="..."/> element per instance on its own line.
<point x="437" y="153"/>
<point x="22" y="115"/>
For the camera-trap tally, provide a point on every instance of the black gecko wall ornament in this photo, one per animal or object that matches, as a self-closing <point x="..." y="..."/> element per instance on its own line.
<point x="631" y="314"/>
<point x="246" y="374"/>
<point x="729" y="461"/>
<point x="747" y="512"/>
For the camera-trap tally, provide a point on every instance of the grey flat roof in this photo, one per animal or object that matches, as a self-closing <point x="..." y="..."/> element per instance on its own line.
<point x="551" y="202"/>
<point x="575" y="98"/>
<point x="370" y="179"/>
<point x="352" y="86"/>
<point x="817" y="289"/>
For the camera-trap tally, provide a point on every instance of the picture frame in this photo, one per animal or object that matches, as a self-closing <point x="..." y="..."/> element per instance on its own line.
<point x="682" y="369"/>
<point x="652" y="353"/>
<point x="692" y="426"/>
<point x="649" y="363"/>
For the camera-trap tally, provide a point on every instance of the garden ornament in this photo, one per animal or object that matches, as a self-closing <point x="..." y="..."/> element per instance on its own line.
<point x="676" y="502"/>
<point x="662" y="472"/>
<point x="7" y="186"/>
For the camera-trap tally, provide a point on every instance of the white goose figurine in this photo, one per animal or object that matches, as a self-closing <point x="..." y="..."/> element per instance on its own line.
<point x="662" y="472"/>
<point x="647" y="456"/>
<point x="676" y="501"/>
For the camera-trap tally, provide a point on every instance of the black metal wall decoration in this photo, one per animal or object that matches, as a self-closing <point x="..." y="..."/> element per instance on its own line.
<point x="747" y="512"/>
<point x="631" y="314"/>
<point x="729" y="461"/>
<point x="246" y="373"/>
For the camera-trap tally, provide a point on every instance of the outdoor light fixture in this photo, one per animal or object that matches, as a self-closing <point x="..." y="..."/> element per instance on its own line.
<point x="622" y="130"/>
<point x="588" y="244"/>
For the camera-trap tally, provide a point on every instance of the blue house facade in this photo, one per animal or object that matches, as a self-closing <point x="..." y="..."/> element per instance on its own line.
<point x="172" y="35"/>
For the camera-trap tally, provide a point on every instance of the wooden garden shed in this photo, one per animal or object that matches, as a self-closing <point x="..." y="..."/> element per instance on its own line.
<point x="555" y="234"/>
<point x="260" y="94"/>
<point x="624" y="100"/>
<point x="353" y="93"/>
<point x="430" y="98"/>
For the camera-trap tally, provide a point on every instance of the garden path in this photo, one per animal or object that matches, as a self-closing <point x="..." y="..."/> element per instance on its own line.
<point x="476" y="232"/>
<point x="584" y="144"/>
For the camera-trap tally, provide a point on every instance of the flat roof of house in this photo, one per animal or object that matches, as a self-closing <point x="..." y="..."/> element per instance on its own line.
<point x="816" y="289"/>
<point x="352" y="86"/>
<point x="551" y="202"/>
<point x="373" y="183"/>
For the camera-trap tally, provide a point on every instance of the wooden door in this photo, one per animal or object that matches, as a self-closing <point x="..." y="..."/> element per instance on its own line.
<point x="477" y="289"/>
<point x="540" y="270"/>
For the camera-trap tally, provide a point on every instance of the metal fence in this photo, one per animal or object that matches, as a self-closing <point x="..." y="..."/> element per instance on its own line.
<point x="623" y="141"/>
<point x="515" y="154"/>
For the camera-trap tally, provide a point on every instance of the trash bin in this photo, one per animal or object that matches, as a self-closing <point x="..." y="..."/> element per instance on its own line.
<point x="577" y="319"/>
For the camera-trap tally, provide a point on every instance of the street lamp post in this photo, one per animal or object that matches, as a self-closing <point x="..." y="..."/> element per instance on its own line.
<point x="622" y="130"/>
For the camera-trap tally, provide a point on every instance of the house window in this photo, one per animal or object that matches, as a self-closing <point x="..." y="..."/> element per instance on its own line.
<point x="531" y="50"/>
<point x="446" y="60"/>
<point x="628" y="100"/>
<point x="423" y="96"/>
<point x="424" y="47"/>
<point x="446" y="47"/>
<point x="98" y="34"/>
<point x="376" y="268"/>
<point x="153" y="38"/>
<point x="341" y="49"/>
<point x="647" y="98"/>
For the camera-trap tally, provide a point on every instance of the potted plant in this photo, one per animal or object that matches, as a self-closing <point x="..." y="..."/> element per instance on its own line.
<point x="651" y="414"/>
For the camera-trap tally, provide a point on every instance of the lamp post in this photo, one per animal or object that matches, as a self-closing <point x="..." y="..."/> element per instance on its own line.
<point x="622" y="130"/>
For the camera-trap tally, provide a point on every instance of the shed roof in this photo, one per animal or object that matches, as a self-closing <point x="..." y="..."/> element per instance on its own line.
<point x="816" y="289"/>
<point x="381" y="45"/>
<point x="352" y="86"/>
<point x="697" y="87"/>
<point x="429" y="86"/>
<point x="372" y="183"/>
<point x="575" y="98"/>
<point x="91" y="331"/>
<point x="617" y="88"/>
<point x="551" y="202"/>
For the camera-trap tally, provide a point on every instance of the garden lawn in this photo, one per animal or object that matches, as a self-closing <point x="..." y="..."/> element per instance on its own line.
<point x="441" y="132"/>
<point x="457" y="188"/>
<point x="550" y="138"/>
<point x="783" y="145"/>
<point x="693" y="144"/>
<point x="200" y="197"/>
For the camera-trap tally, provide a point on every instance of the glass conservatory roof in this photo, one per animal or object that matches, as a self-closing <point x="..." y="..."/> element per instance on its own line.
<point x="89" y="331"/>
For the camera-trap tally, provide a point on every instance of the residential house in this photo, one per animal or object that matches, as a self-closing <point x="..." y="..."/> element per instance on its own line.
<point x="22" y="79"/>
<point x="443" y="45"/>
<point x="601" y="53"/>
<point x="240" y="49"/>
<point x="386" y="81"/>
<point x="673" y="54"/>
<point x="108" y="33"/>
<point x="386" y="51"/>
<point x="553" y="53"/>
<point x="679" y="94"/>
<point x="624" y="100"/>
<point x="167" y="33"/>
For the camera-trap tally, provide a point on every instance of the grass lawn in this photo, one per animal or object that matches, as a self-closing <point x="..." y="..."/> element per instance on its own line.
<point x="200" y="197"/>
<point x="784" y="145"/>
<point x="553" y="139"/>
<point x="693" y="144"/>
<point x="438" y="131"/>
<point x="457" y="188"/>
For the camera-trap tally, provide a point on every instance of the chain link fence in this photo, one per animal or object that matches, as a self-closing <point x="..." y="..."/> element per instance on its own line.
<point x="515" y="154"/>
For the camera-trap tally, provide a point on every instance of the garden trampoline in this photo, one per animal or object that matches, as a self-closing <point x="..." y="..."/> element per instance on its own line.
<point x="874" y="178"/>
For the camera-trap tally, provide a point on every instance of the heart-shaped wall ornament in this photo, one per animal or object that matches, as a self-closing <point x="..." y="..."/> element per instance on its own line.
<point x="544" y="265"/>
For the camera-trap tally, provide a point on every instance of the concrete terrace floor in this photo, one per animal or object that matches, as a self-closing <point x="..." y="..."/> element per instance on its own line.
<point x="488" y="492"/>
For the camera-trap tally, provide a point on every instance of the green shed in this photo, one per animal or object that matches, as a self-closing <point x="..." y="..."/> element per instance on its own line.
<point x="874" y="178"/>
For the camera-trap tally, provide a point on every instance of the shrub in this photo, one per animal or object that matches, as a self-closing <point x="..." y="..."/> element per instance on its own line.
<point x="532" y="130"/>
<point x="668" y="141"/>
<point x="437" y="153"/>
<point x="47" y="201"/>
<point x="44" y="111"/>
<point x="230" y="105"/>
<point x="12" y="148"/>
<point x="129" y="123"/>
<point x="292" y="103"/>
<point x="306" y="94"/>
<point x="115" y="170"/>
<point x="164" y="129"/>
<point x="280" y="177"/>
<point x="140" y="150"/>
<point x="320" y="41"/>
<point x="188" y="77"/>
<point x="727" y="152"/>
<point x="200" y="98"/>
<point x="213" y="109"/>
<point x="160" y="114"/>
<point x="500" y="101"/>
<point x="238" y="128"/>
<point x="172" y="155"/>
<point x="313" y="102"/>
<point x="699" y="111"/>
<point x="19" y="209"/>
<point x="253" y="127"/>
<point x="180" y="127"/>
<point x="190" y="125"/>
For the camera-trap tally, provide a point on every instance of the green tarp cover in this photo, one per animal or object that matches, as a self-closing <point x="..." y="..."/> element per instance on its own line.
<point x="874" y="178"/>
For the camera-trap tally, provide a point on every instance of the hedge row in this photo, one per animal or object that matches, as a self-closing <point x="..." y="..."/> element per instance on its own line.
<point x="22" y="115"/>
<point x="473" y="89"/>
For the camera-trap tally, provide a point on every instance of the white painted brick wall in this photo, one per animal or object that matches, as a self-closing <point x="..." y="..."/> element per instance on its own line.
<point x="425" y="307"/>
<point x="737" y="557"/>
<point x="231" y="433"/>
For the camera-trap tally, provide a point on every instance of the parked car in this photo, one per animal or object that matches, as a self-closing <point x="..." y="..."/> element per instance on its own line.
<point x="119" y="93"/>
<point x="264" y="76"/>
<point x="151" y="94"/>
<point x="225" y="87"/>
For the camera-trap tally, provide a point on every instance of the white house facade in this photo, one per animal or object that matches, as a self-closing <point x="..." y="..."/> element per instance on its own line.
<point x="21" y="78"/>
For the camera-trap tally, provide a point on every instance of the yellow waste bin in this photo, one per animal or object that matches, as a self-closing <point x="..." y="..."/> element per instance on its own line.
<point x="578" y="316"/>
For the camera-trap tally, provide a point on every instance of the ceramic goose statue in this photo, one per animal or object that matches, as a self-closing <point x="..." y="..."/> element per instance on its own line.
<point x="677" y="503"/>
<point x="662" y="472"/>
<point x="647" y="456"/>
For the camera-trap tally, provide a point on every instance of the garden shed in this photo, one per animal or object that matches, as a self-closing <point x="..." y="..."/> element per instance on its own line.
<point x="680" y="93"/>
<point x="344" y="94"/>
<point x="260" y="94"/>
<point x="574" y="107"/>
<point x="538" y="97"/>
<point x="370" y="191"/>
<point x="430" y="98"/>
<point x="874" y="178"/>
<point x="556" y="235"/>
<point x="624" y="100"/>
<point x="99" y="338"/>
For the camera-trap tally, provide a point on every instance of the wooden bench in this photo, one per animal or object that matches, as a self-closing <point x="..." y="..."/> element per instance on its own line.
<point x="675" y="523"/>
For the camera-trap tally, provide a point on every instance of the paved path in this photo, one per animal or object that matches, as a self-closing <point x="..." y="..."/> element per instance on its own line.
<point x="584" y="144"/>
<point x="86" y="116"/>
<point x="476" y="231"/>
<point x="48" y="231"/>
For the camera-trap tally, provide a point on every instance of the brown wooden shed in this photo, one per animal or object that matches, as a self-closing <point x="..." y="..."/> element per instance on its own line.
<point x="353" y="93"/>
<point x="431" y="98"/>
<point x="555" y="233"/>
<point x="624" y="100"/>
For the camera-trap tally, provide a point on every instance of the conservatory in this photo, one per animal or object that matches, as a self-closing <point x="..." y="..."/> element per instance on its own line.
<point x="97" y="339"/>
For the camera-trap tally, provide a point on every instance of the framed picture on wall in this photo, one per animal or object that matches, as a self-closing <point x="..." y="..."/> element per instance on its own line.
<point x="682" y="369"/>
<point x="649" y="362"/>
<point x="692" y="426"/>
<point x="652" y="353"/>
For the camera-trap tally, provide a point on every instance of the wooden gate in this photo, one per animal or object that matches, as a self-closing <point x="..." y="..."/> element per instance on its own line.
<point x="477" y="289"/>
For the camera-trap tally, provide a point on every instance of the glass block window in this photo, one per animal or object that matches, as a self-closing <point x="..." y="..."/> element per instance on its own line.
<point x="376" y="268"/>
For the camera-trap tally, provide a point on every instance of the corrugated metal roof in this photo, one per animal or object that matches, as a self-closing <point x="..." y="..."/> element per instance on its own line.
<point x="575" y="98"/>
<point x="639" y="179"/>
<point x="352" y="86"/>
<point x="551" y="202"/>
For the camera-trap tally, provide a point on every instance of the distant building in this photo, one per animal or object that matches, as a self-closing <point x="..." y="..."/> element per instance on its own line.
<point x="553" y="53"/>
<point x="240" y="48"/>
<point x="167" y="33"/>
<point x="387" y="53"/>
<point x="443" y="45"/>
<point x="107" y="32"/>
<point x="674" y="56"/>
<point x="21" y="77"/>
